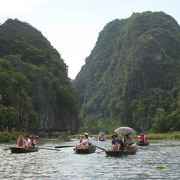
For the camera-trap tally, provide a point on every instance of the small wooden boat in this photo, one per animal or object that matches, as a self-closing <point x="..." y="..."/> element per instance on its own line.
<point x="127" y="150"/>
<point x="130" y="149"/>
<point x="142" y="140"/>
<point x="88" y="150"/>
<point x="113" y="153"/>
<point x="23" y="150"/>
<point x="102" y="139"/>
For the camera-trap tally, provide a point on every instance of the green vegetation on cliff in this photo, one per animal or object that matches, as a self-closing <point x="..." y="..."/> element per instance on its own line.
<point x="132" y="76"/>
<point x="35" y="92"/>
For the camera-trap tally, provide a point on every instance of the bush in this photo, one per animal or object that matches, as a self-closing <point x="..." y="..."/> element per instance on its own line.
<point x="5" y="137"/>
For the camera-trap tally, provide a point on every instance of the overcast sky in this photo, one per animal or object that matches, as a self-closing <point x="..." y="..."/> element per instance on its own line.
<point x="73" y="26"/>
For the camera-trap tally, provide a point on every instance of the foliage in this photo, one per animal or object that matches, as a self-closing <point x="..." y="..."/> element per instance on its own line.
<point x="167" y="136"/>
<point x="35" y="90"/>
<point x="132" y="75"/>
<point x="7" y="137"/>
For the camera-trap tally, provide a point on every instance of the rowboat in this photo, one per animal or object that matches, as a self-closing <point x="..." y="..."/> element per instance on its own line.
<point x="23" y="150"/>
<point x="142" y="140"/>
<point x="87" y="150"/>
<point x="127" y="150"/>
<point x="130" y="149"/>
<point x="102" y="139"/>
<point x="113" y="153"/>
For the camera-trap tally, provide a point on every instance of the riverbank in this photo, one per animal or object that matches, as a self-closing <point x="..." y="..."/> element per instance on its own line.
<point x="7" y="137"/>
<point x="156" y="136"/>
<point x="12" y="136"/>
<point x="164" y="136"/>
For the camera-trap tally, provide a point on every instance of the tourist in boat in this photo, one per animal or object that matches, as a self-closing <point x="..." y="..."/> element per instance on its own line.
<point x="27" y="142"/>
<point x="142" y="139"/>
<point x="127" y="140"/>
<point x="33" y="141"/>
<point x="20" y="141"/>
<point x="102" y="136"/>
<point x="86" y="141"/>
<point x="116" y="143"/>
<point x="81" y="138"/>
<point x="121" y="145"/>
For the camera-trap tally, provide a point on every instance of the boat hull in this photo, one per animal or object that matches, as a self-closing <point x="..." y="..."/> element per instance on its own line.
<point x="113" y="153"/>
<point x="127" y="151"/>
<point x="142" y="144"/>
<point x="23" y="150"/>
<point x="90" y="149"/>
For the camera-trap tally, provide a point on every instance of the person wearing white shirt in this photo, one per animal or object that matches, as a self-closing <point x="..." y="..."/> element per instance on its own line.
<point x="27" y="142"/>
<point x="86" y="141"/>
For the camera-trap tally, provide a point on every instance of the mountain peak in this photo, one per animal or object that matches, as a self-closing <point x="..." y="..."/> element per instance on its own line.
<point x="134" y="63"/>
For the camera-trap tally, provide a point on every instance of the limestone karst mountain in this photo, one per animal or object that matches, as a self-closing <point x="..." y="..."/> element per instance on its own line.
<point x="35" y="90"/>
<point x="132" y="76"/>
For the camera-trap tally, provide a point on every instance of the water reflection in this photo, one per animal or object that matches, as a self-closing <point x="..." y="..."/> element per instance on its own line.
<point x="159" y="160"/>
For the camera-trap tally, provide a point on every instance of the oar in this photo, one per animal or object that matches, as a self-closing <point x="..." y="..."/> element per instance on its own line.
<point x="49" y="149"/>
<point x="6" y="149"/>
<point x="64" y="146"/>
<point x="101" y="148"/>
<point x="99" y="152"/>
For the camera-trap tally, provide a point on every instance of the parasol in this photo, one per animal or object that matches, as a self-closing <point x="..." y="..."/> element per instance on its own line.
<point x="102" y="133"/>
<point x="124" y="130"/>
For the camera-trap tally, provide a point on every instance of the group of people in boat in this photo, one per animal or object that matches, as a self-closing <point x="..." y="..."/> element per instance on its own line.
<point x="142" y="139"/>
<point x="118" y="144"/>
<point x="126" y="142"/>
<point x="26" y="141"/>
<point x="84" y="142"/>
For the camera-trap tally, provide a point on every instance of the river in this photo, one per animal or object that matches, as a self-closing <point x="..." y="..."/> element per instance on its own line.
<point x="159" y="160"/>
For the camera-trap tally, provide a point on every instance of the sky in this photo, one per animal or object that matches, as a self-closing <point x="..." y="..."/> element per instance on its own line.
<point x="72" y="26"/>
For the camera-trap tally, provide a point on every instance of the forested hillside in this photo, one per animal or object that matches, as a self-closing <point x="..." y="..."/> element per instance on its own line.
<point x="35" y="92"/>
<point x="132" y="76"/>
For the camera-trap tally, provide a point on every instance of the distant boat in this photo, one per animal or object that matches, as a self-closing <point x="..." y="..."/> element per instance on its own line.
<point x="142" y="140"/>
<point x="23" y="150"/>
<point x="102" y="136"/>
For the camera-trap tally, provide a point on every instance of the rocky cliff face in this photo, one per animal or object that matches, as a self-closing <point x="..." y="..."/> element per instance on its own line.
<point x="132" y="73"/>
<point x="38" y="94"/>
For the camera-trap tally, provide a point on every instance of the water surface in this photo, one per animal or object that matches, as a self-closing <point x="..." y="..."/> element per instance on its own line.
<point x="159" y="160"/>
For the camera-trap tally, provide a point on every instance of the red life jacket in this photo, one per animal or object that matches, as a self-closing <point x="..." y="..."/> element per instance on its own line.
<point x="141" y="138"/>
<point x="21" y="142"/>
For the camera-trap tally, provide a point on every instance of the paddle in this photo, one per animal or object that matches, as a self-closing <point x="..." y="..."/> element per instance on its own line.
<point x="49" y="149"/>
<point x="6" y="149"/>
<point x="101" y="148"/>
<point x="64" y="146"/>
<point x="99" y="152"/>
